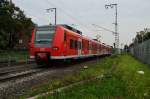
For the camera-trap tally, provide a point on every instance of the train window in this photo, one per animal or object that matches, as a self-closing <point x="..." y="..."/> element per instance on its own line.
<point x="99" y="46"/>
<point x="83" y="45"/>
<point x="72" y="44"/>
<point x="44" y="34"/>
<point x="96" y="47"/>
<point x="76" y="44"/>
<point x="87" y="45"/>
<point x="79" y="45"/>
<point x="90" y="46"/>
<point x="65" y="35"/>
<point x="93" y="47"/>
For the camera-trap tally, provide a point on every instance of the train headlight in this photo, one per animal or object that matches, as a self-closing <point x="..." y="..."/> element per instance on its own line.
<point x="42" y="49"/>
<point x="32" y="57"/>
<point x="55" y="48"/>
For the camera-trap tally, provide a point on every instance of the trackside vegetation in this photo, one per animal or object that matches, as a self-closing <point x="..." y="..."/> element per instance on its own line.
<point x="94" y="69"/>
<point x="13" y="55"/>
<point x="123" y="81"/>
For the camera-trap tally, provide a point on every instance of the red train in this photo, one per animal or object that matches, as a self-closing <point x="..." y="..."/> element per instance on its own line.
<point x="63" y="42"/>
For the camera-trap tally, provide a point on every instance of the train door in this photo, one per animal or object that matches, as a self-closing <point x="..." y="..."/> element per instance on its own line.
<point x="79" y="43"/>
<point x="98" y="49"/>
<point x="66" y="42"/>
<point x="90" y="47"/>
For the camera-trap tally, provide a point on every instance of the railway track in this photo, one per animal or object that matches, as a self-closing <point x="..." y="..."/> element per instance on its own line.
<point x="18" y="80"/>
<point x="15" y="72"/>
<point x="13" y="76"/>
<point x="5" y="70"/>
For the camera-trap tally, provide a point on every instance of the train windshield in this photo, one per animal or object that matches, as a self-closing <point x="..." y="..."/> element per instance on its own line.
<point x="44" y="35"/>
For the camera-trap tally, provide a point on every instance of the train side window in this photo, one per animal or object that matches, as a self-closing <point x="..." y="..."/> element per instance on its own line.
<point x="93" y="48"/>
<point x="76" y="44"/>
<point x="79" y="45"/>
<point x="83" y="45"/>
<point x="65" y="35"/>
<point x="96" y="47"/>
<point x="90" y="46"/>
<point x="71" y="44"/>
<point x="87" y="46"/>
<point x="100" y="46"/>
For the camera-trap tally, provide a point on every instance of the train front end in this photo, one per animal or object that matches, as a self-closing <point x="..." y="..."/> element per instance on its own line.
<point x="41" y="43"/>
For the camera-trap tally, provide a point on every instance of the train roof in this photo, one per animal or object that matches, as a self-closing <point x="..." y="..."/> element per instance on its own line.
<point x="45" y="27"/>
<point x="63" y="25"/>
<point x="71" y="29"/>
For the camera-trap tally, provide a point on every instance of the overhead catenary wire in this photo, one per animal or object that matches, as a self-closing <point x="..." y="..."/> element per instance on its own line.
<point x="71" y="17"/>
<point x="103" y="28"/>
<point x="76" y="20"/>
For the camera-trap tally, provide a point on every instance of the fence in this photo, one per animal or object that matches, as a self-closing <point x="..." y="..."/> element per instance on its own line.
<point x="142" y="51"/>
<point x="10" y="57"/>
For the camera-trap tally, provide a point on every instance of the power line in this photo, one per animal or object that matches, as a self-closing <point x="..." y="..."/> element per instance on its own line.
<point x="76" y="20"/>
<point x="69" y="15"/>
<point x="103" y="28"/>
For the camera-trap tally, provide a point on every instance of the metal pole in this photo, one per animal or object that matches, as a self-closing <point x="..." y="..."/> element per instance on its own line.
<point x="51" y="9"/>
<point x="11" y="1"/>
<point x="55" y="16"/>
<point x="116" y="25"/>
<point x="116" y="29"/>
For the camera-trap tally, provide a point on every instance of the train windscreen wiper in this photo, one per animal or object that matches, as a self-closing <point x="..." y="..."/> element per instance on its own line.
<point x="43" y="41"/>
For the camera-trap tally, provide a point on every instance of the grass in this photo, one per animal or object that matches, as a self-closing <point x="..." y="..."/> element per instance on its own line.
<point x="17" y="55"/>
<point x="106" y="89"/>
<point x="94" y="69"/>
<point x="137" y="85"/>
<point x="122" y="83"/>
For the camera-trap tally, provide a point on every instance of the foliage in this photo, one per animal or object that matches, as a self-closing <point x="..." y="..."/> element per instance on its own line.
<point x="14" y="55"/>
<point x="141" y="37"/>
<point x="126" y="48"/>
<point x="13" y="23"/>
<point x="123" y="83"/>
<point x="147" y="36"/>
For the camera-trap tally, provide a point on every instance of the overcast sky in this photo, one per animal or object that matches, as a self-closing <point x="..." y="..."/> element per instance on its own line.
<point x="133" y="16"/>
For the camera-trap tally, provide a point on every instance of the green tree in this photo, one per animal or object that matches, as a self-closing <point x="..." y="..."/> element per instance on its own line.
<point x="147" y="36"/>
<point x="12" y="22"/>
<point x="139" y="38"/>
<point x="126" y="48"/>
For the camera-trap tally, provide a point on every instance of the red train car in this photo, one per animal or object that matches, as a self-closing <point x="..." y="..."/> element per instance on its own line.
<point x="63" y="42"/>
